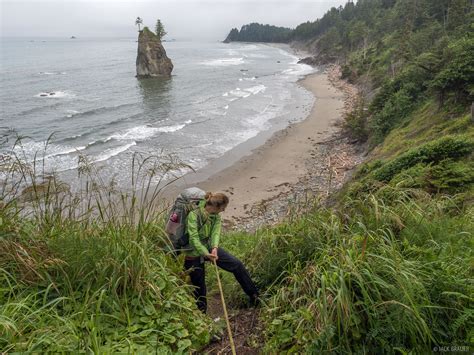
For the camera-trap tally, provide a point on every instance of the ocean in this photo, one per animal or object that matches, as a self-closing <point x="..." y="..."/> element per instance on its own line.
<point x="82" y="98"/>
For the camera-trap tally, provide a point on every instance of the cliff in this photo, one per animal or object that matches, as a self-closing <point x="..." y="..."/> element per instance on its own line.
<point x="152" y="60"/>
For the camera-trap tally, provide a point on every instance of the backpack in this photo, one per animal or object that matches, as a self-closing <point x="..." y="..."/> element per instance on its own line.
<point x="187" y="201"/>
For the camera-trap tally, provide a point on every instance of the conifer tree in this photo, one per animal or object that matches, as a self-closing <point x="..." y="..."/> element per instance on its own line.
<point x="138" y="22"/>
<point x="160" y="29"/>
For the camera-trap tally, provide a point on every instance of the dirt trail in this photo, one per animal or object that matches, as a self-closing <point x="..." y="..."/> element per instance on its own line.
<point x="245" y="325"/>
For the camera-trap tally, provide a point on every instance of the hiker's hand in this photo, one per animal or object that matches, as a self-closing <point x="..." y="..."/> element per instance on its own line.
<point x="211" y="257"/>
<point x="214" y="252"/>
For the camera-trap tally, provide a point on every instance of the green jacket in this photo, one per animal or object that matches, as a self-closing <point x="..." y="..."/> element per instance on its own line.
<point x="204" y="231"/>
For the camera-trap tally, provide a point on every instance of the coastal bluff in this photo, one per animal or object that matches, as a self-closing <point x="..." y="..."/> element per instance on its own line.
<point x="152" y="60"/>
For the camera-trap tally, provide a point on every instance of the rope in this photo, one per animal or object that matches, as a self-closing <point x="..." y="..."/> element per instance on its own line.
<point x="229" y="331"/>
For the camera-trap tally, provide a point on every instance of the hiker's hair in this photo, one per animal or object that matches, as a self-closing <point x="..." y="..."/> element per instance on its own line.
<point x="216" y="200"/>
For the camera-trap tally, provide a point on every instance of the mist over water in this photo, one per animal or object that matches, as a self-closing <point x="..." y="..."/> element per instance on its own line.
<point x="85" y="93"/>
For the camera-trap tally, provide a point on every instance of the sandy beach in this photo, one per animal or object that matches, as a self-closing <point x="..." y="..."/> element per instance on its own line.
<point x="289" y="159"/>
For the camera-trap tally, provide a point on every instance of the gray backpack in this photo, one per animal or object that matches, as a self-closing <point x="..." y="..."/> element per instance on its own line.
<point x="187" y="201"/>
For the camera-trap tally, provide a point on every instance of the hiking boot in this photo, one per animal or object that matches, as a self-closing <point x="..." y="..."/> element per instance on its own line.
<point x="254" y="300"/>
<point x="216" y="338"/>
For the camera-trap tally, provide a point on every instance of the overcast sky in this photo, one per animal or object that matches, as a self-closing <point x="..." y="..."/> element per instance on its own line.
<point x="183" y="19"/>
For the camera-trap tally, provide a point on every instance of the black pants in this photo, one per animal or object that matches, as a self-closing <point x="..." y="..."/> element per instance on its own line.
<point x="225" y="261"/>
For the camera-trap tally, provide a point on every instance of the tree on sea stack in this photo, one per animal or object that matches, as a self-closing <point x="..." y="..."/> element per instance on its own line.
<point x="152" y="60"/>
<point x="138" y="22"/>
<point x="160" y="29"/>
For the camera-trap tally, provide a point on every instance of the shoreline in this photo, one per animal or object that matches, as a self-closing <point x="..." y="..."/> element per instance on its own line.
<point x="267" y="176"/>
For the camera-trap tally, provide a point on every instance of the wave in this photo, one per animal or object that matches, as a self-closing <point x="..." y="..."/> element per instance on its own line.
<point x="222" y="62"/>
<point x="298" y="70"/>
<point x="248" y="79"/>
<point x="53" y="155"/>
<point x="240" y="93"/>
<point x="231" y="52"/>
<point x="256" y="89"/>
<point x="72" y="113"/>
<point x="169" y="129"/>
<point x="244" y="93"/>
<point x="104" y="109"/>
<point x="141" y="133"/>
<point x="65" y="152"/>
<point x="253" y="55"/>
<point x="135" y="133"/>
<point x="51" y="73"/>
<point x="109" y="153"/>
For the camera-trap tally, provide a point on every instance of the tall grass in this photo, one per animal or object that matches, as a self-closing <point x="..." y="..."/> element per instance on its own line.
<point x="83" y="270"/>
<point x="390" y="273"/>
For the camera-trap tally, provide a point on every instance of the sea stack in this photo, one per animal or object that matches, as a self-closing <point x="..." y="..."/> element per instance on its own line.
<point x="152" y="60"/>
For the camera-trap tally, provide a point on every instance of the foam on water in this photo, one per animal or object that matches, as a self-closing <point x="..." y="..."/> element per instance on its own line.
<point x="169" y="129"/>
<point x="109" y="153"/>
<point x="239" y="93"/>
<point x="138" y="133"/>
<point x="256" y="89"/>
<point x="66" y="151"/>
<point x="71" y="113"/>
<point x="51" y="73"/>
<point x="55" y="157"/>
<point x="254" y="55"/>
<point x="223" y="62"/>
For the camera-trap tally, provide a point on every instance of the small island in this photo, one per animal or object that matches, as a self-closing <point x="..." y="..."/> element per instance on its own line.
<point x="152" y="60"/>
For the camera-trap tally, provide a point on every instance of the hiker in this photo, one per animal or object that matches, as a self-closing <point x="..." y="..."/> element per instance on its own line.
<point x="204" y="228"/>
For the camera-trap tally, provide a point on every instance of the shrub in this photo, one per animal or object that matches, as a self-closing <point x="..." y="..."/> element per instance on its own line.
<point x="355" y="122"/>
<point x="432" y="152"/>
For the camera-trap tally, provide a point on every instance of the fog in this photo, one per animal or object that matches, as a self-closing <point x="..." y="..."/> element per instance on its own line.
<point x="183" y="19"/>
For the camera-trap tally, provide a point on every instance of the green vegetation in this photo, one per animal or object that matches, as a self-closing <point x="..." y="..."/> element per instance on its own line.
<point x="160" y="29"/>
<point x="85" y="271"/>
